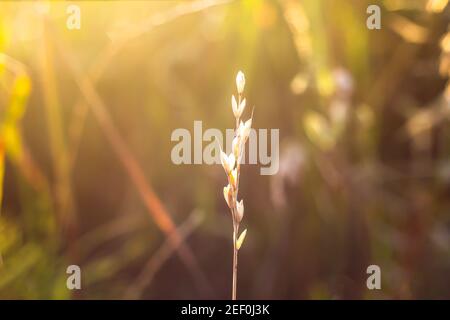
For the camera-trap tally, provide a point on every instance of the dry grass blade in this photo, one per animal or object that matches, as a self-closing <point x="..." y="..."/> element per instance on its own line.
<point x="157" y="260"/>
<point x="155" y="207"/>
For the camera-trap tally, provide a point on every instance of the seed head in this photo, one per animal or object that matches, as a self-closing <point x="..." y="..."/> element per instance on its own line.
<point x="240" y="82"/>
<point x="244" y="130"/>
<point x="227" y="195"/>
<point x="242" y="107"/>
<point x="228" y="162"/>
<point x="240" y="210"/>
<point x="241" y="239"/>
<point x="233" y="178"/>
<point x="234" y="107"/>
<point x="235" y="146"/>
<point x="237" y="109"/>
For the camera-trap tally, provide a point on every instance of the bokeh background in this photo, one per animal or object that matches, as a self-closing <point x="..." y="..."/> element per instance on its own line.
<point x="85" y="123"/>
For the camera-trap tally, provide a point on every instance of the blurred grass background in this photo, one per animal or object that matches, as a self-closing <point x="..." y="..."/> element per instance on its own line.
<point x="86" y="177"/>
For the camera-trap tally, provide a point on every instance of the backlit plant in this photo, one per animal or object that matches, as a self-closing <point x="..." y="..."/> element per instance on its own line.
<point x="232" y="165"/>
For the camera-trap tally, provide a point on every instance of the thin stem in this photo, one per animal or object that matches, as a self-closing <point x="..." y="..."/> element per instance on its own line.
<point x="235" y="261"/>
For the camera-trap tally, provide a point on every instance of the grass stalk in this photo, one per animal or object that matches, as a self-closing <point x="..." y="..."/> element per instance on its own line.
<point x="232" y="166"/>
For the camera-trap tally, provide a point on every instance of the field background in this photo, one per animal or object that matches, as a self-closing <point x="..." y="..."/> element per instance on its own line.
<point x="85" y="123"/>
